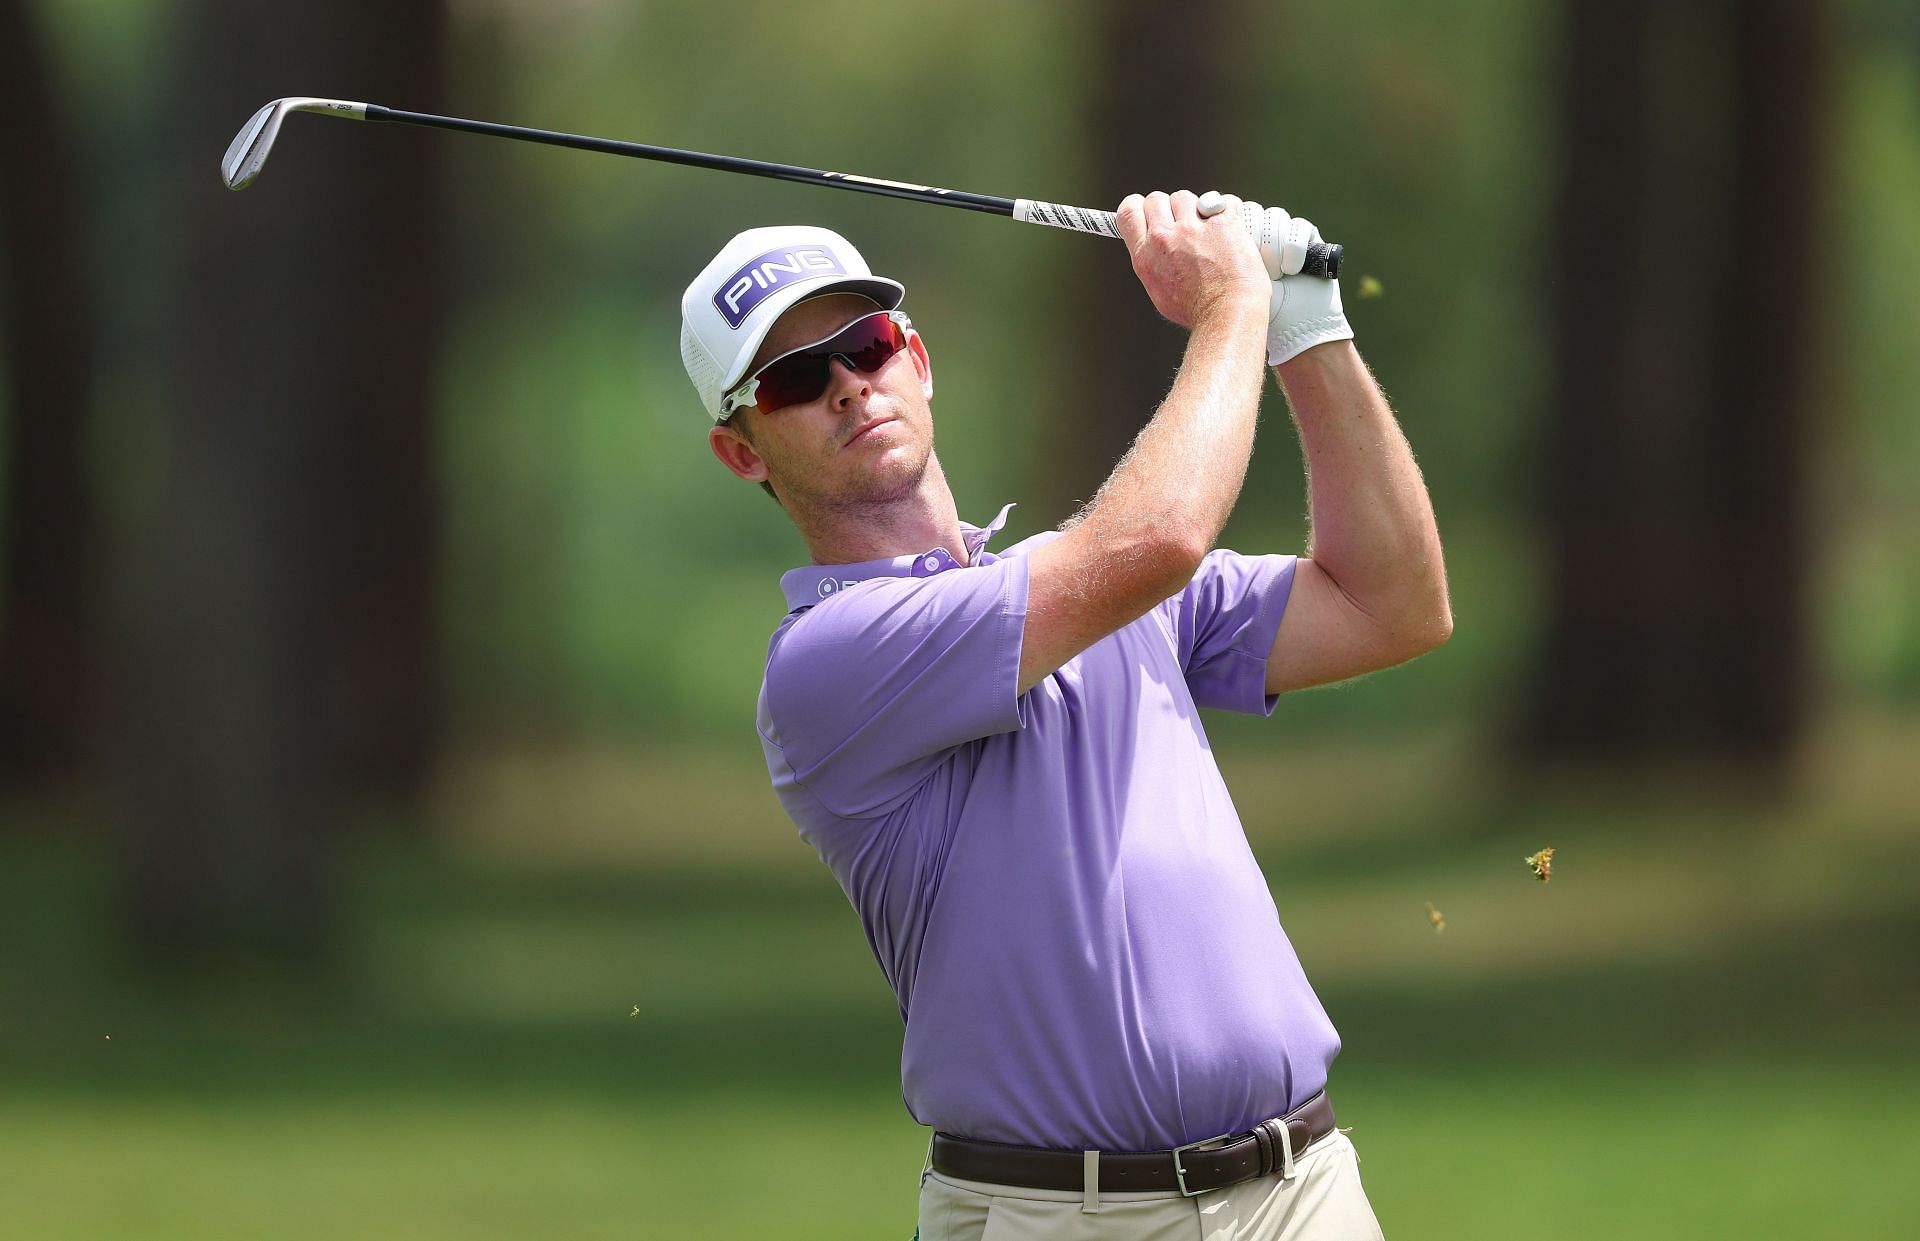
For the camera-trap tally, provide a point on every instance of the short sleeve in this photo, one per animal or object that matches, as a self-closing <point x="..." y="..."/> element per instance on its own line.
<point x="1224" y="624"/>
<point x="866" y="691"/>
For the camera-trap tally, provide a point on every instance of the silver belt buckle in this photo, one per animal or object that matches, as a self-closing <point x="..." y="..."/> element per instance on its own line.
<point x="1180" y="1172"/>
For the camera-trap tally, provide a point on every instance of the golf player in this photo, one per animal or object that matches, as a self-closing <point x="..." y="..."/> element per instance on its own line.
<point x="1000" y="754"/>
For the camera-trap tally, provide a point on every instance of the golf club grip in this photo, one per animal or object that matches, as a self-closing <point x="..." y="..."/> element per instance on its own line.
<point x="1323" y="257"/>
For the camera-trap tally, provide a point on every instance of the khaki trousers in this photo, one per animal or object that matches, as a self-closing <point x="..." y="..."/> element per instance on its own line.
<point x="1323" y="1202"/>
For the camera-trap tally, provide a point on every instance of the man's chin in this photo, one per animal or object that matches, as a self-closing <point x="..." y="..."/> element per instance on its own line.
<point x="887" y="479"/>
<point x="894" y="480"/>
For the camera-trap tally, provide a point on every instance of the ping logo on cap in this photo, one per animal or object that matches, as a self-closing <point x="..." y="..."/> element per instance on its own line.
<point x="764" y="273"/>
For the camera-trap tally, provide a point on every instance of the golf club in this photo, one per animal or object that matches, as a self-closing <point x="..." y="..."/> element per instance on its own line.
<point x="250" y="147"/>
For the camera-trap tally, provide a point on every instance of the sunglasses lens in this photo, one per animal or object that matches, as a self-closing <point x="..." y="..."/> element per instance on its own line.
<point x="792" y="380"/>
<point x="870" y="351"/>
<point x="802" y="376"/>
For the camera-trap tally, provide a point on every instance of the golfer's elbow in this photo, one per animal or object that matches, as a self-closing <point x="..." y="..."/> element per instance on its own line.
<point x="1408" y="639"/>
<point x="1433" y="630"/>
<point x="1159" y="555"/>
<point x="1166" y="561"/>
<point x="1427" y="622"/>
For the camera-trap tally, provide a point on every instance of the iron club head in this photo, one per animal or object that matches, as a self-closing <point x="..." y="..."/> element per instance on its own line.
<point x="248" y="151"/>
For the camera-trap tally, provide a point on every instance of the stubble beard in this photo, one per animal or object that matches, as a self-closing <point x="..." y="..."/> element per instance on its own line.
<point x="896" y="481"/>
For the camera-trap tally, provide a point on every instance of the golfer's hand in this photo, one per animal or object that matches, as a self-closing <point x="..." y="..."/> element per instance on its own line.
<point x="1305" y="310"/>
<point x="1188" y="264"/>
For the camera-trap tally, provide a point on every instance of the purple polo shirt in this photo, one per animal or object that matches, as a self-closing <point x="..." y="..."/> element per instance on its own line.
<point x="1056" y="884"/>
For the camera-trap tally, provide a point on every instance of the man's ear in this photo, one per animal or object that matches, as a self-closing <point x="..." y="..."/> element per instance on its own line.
<point x="922" y="364"/>
<point x="737" y="454"/>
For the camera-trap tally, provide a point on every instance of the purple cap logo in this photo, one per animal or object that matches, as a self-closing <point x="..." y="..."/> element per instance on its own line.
<point x="764" y="273"/>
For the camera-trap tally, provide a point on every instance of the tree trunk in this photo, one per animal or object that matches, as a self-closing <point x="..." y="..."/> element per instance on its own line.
<point x="383" y="696"/>
<point x="1142" y="138"/>
<point x="280" y="645"/>
<point x="46" y="631"/>
<point x="1683" y="310"/>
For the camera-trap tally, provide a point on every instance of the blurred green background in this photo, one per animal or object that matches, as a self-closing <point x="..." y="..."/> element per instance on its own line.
<point x="385" y="847"/>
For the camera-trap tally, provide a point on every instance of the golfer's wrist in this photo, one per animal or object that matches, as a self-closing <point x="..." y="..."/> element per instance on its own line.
<point x="1240" y="303"/>
<point x="1315" y="362"/>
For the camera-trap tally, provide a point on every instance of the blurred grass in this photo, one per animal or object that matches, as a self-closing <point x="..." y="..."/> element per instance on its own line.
<point x="1702" y="1027"/>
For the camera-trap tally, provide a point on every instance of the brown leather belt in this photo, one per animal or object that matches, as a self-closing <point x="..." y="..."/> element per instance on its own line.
<point x="1191" y="1169"/>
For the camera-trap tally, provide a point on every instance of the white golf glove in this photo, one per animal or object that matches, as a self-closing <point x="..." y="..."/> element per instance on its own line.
<point x="1305" y="310"/>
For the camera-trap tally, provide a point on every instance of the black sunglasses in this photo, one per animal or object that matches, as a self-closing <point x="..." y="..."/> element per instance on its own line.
<point x="800" y="375"/>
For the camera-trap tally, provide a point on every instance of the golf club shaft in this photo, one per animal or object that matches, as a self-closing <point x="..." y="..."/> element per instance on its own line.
<point x="1323" y="259"/>
<point x="697" y="159"/>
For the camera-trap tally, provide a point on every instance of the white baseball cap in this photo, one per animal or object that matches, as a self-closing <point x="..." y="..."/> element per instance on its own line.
<point x="731" y="305"/>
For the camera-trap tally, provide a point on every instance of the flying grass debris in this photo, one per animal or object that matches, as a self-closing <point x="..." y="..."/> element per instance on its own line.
<point x="1542" y="864"/>
<point x="1438" y="919"/>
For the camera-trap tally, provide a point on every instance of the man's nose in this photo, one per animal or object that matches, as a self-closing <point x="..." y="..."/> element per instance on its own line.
<point x="846" y="373"/>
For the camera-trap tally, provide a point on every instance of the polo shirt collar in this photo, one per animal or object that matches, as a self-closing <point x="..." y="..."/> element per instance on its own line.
<point x="810" y="584"/>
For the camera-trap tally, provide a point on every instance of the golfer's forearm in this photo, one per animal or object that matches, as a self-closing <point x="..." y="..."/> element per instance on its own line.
<point x="1373" y="527"/>
<point x="1178" y="482"/>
